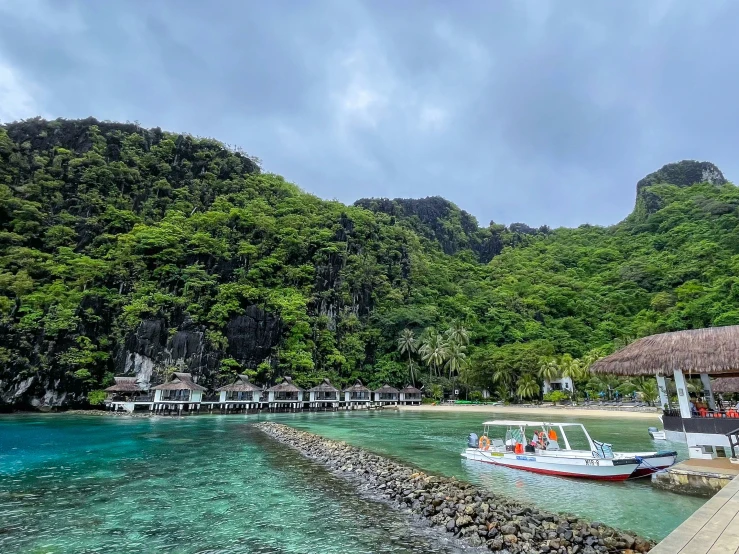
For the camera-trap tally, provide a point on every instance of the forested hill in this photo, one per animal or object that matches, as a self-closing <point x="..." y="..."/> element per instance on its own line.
<point x="130" y="250"/>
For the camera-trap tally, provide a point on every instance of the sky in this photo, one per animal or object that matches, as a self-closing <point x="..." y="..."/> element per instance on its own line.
<point x="541" y="112"/>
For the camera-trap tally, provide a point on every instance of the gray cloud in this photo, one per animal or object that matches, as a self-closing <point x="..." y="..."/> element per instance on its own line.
<point x="517" y="111"/>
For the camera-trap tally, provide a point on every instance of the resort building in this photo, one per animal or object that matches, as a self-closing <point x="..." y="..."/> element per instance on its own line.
<point x="179" y="393"/>
<point x="709" y="428"/>
<point x="126" y="394"/>
<point x="285" y="396"/>
<point x="239" y="395"/>
<point x="410" y="396"/>
<point x="386" y="395"/>
<point x="324" y="396"/>
<point x="563" y="383"/>
<point x="357" y="396"/>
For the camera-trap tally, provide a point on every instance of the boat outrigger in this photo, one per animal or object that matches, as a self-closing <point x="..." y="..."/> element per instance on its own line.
<point x="543" y="453"/>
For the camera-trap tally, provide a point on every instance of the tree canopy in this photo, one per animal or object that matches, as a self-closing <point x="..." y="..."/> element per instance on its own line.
<point x="107" y="226"/>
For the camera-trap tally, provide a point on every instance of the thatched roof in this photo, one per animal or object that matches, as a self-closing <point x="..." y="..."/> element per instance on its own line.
<point x="358" y="386"/>
<point x="325" y="386"/>
<point x="242" y="384"/>
<point x="411" y="390"/>
<point x="125" y="384"/>
<point x="714" y="350"/>
<point x="179" y="381"/>
<point x="725" y="385"/>
<point x="386" y="389"/>
<point x="285" y="386"/>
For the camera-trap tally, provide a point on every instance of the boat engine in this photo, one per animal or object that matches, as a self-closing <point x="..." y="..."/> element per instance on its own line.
<point x="473" y="440"/>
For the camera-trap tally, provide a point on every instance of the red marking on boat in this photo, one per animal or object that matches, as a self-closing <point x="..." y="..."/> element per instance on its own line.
<point x="562" y="473"/>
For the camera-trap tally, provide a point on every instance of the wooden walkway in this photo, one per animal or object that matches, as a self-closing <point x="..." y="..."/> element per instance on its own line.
<point x="713" y="529"/>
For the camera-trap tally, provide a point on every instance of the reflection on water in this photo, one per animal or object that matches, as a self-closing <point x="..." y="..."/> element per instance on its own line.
<point x="84" y="485"/>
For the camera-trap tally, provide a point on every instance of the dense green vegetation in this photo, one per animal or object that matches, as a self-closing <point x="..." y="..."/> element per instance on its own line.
<point x="104" y="226"/>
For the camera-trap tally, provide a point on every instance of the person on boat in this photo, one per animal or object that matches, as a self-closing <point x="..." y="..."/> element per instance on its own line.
<point x="693" y="408"/>
<point x="535" y="440"/>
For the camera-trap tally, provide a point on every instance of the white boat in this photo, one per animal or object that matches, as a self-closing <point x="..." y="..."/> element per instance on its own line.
<point x="548" y="456"/>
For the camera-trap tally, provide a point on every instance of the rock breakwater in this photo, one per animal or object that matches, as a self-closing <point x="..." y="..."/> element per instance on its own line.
<point x="475" y="516"/>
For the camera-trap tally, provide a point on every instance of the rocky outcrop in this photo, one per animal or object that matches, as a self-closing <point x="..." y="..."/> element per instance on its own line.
<point x="155" y="346"/>
<point x="478" y="517"/>
<point x="681" y="174"/>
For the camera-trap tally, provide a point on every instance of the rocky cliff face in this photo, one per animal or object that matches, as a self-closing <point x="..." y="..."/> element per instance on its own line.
<point x="681" y="174"/>
<point x="155" y="346"/>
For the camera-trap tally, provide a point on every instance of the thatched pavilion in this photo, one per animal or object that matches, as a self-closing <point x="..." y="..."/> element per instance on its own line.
<point x="285" y="396"/>
<point x="410" y="395"/>
<point x="242" y="394"/>
<point x="126" y="394"/>
<point x="324" y="396"/>
<point x="710" y="352"/>
<point x="386" y="395"/>
<point x="179" y="393"/>
<point x="726" y="385"/>
<point x="125" y="389"/>
<point x="357" y="395"/>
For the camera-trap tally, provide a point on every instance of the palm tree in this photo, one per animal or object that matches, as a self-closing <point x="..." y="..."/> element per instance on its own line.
<point x="432" y="350"/>
<point x="649" y="391"/>
<point x="407" y="343"/>
<point x="527" y="386"/>
<point x="503" y="377"/>
<point x="549" y="369"/>
<point x="458" y="333"/>
<point x="572" y="368"/>
<point x="456" y="358"/>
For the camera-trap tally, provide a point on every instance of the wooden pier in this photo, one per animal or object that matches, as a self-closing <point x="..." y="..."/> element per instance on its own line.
<point x="713" y="529"/>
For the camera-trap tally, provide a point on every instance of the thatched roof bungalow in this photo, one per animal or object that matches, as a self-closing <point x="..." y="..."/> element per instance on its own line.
<point x="386" y="395"/>
<point x="711" y="351"/>
<point x="410" y="395"/>
<point x="324" y="391"/>
<point x="179" y="388"/>
<point x="357" y="393"/>
<point x="285" y="392"/>
<point x="241" y="390"/>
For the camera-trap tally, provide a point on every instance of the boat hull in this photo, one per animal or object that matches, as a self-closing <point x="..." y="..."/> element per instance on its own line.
<point x="561" y="465"/>
<point x="652" y="463"/>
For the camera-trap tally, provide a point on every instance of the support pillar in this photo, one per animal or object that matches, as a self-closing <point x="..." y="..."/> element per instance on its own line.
<point x="662" y="389"/>
<point x="682" y="394"/>
<point x="708" y="390"/>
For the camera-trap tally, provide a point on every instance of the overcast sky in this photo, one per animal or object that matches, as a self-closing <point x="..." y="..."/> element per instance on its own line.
<point x="536" y="112"/>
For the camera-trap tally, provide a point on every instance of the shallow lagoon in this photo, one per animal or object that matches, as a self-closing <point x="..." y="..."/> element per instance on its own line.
<point x="212" y="483"/>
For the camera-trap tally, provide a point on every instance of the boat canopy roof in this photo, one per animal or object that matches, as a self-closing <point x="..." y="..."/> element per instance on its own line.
<point x="515" y="423"/>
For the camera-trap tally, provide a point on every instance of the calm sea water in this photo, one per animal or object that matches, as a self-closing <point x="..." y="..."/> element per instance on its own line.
<point x="214" y="484"/>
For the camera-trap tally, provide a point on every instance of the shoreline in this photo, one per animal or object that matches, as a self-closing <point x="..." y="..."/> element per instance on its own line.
<point x="533" y="410"/>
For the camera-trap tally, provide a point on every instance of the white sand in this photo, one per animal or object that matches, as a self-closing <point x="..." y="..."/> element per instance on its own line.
<point x="537" y="410"/>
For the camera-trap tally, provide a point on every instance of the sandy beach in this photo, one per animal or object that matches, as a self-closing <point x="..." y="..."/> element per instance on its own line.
<point x="534" y="411"/>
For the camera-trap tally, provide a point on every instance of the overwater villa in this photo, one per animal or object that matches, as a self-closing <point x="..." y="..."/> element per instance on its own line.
<point x="242" y="394"/>
<point x="180" y="393"/>
<point x="323" y="397"/>
<point x="386" y="395"/>
<point x="357" y="396"/>
<point x="126" y="393"/>
<point x="711" y="431"/>
<point x="410" y="396"/>
<point x="285" y="396"/>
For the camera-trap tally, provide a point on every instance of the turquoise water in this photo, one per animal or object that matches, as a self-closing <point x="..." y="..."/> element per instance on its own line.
<point x="214" y="484"/>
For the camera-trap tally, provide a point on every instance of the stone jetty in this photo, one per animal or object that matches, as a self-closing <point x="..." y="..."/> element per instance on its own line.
<point x="475" y="516"/>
